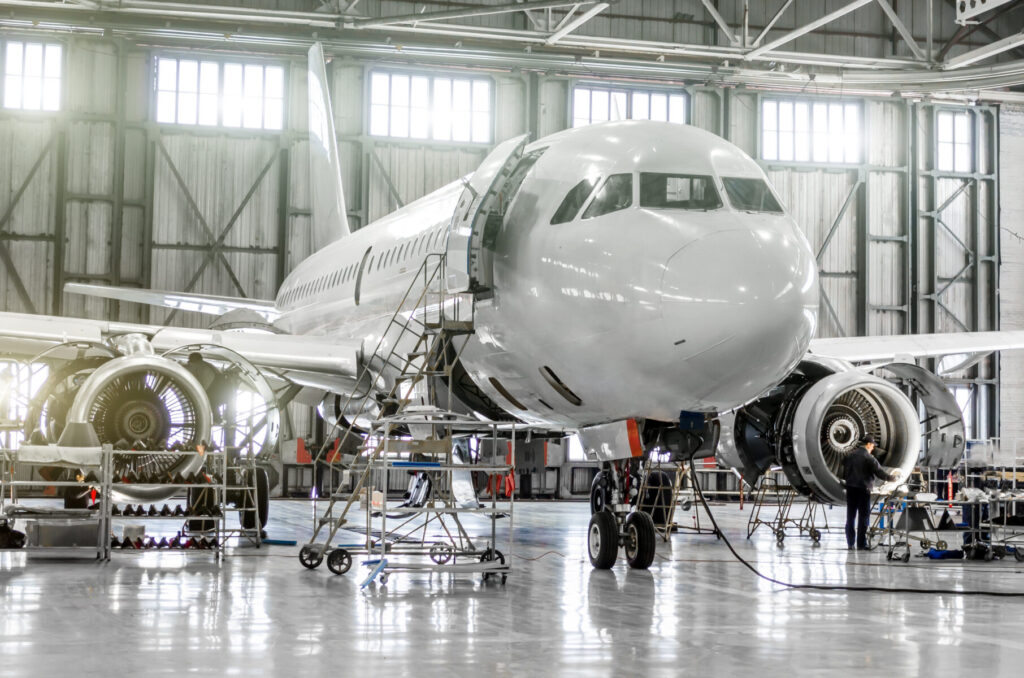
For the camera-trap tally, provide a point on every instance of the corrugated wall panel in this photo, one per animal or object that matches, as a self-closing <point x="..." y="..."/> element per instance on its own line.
<point x="92" y="68"/>
<point x="553" y="113"/>
<point x="743" y="121"/>
<point x="416" y="171"/>
<point x="707" y="109"/>
<point x="1011" y="272"/>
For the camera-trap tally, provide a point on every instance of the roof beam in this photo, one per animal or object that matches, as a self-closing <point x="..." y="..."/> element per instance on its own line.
<point x="807" y="28"/>
<point x="720" y="20"/>
<point x="768" y="26"/>
<point x="902" y="29"/>
<point x="989" y="50"/>
<point x="467" y="12"/>
<point x="568" y="28"/>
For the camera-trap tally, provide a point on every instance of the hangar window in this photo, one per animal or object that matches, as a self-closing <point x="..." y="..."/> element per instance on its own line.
<point x="32" y="75"/>
<point x="750" y="195"/>
<point x="811" y="131"/>
<point x="678" y="191"/>
<point x="601" y="104"/>
<point x="573" y="201"/>
<point x="211" y="93"/>
<point x="430" y="107"/>
<point x="955" y="141"/>
<point x="616" y="194"/>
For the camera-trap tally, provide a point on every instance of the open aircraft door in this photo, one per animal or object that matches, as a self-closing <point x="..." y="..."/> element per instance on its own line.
<point x="477" y="220"/>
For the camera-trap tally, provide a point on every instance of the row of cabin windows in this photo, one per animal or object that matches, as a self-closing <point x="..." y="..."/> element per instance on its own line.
<point x="420" y="245"/>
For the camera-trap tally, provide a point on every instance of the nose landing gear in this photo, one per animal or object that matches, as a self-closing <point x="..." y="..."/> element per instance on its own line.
<point x="616" y="521"/>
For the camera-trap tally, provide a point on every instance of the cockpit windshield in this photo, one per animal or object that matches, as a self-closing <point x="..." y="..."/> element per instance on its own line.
<point x="573" y="201"/>
<point x="750" y="195"/>
<point x="678" y="191"/>
<point x="616" y="194"/>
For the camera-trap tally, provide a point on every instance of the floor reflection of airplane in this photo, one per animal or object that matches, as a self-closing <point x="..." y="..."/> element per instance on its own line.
<point x="638" y="282"/>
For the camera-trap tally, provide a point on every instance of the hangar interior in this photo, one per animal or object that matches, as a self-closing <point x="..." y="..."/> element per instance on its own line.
<point x="166" y="146"/>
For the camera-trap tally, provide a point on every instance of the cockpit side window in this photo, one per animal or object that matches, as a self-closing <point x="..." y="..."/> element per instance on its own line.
<point x="616" y="194"/>
<point x="573" y="201"/>
<point x="678" y="191"/>
<point x="750" y="195"/>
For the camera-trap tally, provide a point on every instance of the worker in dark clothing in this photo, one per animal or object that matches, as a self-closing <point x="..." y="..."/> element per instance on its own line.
<point x="861" y="470"/>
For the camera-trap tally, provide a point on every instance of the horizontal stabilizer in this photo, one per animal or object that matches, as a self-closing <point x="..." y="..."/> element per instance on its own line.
<point x="198" y="303"/>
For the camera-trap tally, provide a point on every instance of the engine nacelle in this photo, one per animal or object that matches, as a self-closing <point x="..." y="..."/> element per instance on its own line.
<point x="810" y="422"/>
<point x="149" y="398"/>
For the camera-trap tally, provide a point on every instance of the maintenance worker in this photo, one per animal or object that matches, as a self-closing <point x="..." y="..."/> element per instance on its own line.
<point x="861" y="470"/>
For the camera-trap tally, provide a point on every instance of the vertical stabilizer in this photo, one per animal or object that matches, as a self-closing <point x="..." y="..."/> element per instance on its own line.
<point x="330" y="220"/>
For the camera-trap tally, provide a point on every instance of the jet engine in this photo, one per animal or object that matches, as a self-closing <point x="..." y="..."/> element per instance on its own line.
<point x="811" y="421"/>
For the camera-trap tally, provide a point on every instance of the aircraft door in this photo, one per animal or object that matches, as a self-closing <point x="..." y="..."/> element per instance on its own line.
<point x="477" y="219"/>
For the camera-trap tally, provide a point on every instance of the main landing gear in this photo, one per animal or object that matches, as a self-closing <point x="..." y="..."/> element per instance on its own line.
<point x="616" y="521"/>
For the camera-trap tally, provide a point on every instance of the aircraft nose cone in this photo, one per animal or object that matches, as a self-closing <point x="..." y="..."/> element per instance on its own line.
<point x="740" y="308"/>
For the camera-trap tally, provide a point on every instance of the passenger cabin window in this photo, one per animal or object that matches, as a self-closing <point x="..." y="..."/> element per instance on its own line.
<point x="678" y="191"/>
<point x="750" y="195"/>
<point x="616" y="194"/>
<point x="573" y="201"/>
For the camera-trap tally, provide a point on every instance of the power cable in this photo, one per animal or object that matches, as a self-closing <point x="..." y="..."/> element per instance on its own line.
<point x="836" y="587"/>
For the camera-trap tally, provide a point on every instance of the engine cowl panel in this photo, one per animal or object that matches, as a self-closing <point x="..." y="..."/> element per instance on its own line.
<point x="810" y="422"/>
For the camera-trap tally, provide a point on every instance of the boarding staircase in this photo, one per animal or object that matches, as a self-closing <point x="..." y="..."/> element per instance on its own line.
<point x="423" y="341"/>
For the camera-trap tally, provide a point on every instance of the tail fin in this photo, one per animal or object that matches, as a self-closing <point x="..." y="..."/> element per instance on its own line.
<point x="330" y="220"/>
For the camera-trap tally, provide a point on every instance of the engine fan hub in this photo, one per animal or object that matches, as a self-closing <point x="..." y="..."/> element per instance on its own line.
<point x="139" y="417"/>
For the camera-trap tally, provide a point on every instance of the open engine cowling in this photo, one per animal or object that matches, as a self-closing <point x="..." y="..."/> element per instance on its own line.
<point x="810" y="422"/>
<point x="148" y="398"/>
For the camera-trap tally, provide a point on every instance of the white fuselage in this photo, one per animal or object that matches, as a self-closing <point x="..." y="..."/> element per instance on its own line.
<point x="643" y="311"/>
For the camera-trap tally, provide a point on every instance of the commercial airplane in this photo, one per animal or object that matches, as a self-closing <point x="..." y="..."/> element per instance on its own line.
<point x="640" y="283"/>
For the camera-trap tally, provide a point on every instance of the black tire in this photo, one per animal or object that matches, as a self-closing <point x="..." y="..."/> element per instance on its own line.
<point x="657" y="497"/>
<point x="641" y="540"/>
<point x="201" y="502"/>
<point x="339" y="561"/>
<point x="603" y="540"/>
<point x="311" y="557"/>
<point x="1018" y="553"/>
<point x="600" y="492"/>
<point x="248" y="518"/>
<point x="906" y="557"/>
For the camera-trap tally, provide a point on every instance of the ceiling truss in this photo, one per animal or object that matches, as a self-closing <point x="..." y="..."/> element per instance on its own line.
<point x="550" y="26"/>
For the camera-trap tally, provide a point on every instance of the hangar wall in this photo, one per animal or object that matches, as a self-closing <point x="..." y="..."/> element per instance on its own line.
<point x="100" y="193"/>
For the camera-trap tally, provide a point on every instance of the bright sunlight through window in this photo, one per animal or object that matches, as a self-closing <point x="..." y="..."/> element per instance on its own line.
<point x="811" y="131"/>
<point x="213" y="93"/>
<point x="595" y="104"/>
<point x="32" y="74"/>
<point x="441" y="108"/>
<point x="955" y="142"/>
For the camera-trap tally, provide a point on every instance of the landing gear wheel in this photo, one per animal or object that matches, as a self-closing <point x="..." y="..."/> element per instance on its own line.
<point x="640" y="540"/>
<point x="600" y="491"/>
<point x="311" y="556"/>
<point x="442" y="553"/>
<point x="261" y="503"/>
<point x="603" y="540"/>
<point x="657" y="497"/>
<point x="941" y="545"/>
<point x="339" y="561"/>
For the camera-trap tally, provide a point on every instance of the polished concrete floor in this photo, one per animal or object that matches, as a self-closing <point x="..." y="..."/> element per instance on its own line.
<point x="259" y="613"/>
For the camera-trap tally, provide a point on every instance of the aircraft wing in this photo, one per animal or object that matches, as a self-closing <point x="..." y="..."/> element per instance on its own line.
<point x="901" y="346"/>
<point x="315" y="361"/>
<point x="200" y="303"/>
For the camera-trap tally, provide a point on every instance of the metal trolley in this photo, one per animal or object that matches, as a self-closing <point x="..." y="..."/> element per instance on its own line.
<point x="431" y="533"/>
